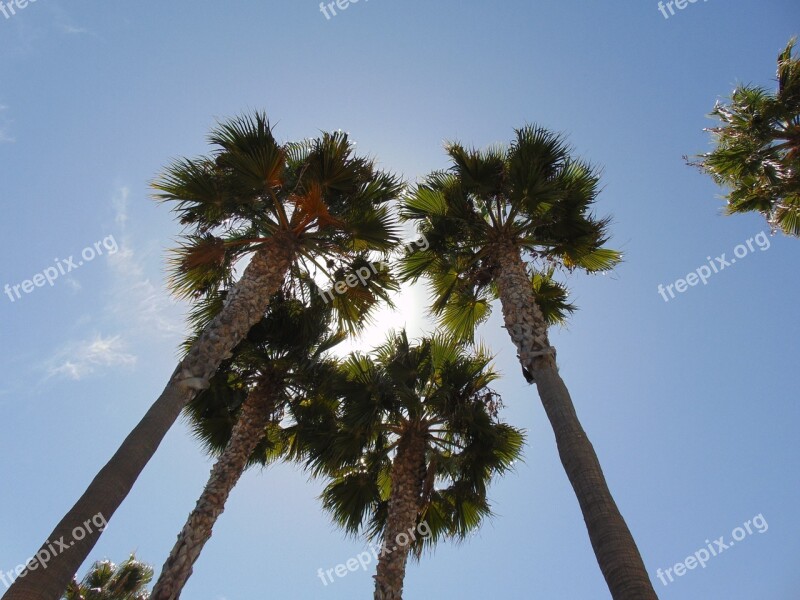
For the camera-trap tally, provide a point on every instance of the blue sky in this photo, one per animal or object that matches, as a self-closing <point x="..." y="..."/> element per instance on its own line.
<point x="691" y="404"/>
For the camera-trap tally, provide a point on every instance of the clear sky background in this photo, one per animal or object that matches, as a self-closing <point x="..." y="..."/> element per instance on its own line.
<point x="691" y="404"/>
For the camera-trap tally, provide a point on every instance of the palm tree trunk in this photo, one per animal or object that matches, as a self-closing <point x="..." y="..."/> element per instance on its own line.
<point x="243" y="309"/>
<point x="408" y="476"/>
<point x="247" y="433"/>
<point x="613" y="544"/>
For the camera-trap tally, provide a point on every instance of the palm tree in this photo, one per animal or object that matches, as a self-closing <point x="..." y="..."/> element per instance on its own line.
<point x="281" y="361"/>
<point x="280" y="205"/>
<point x="498" y="223"/>
<point x="411" y="445"/>
<point x="757" y="153"/>
<point x="107" y="581"/>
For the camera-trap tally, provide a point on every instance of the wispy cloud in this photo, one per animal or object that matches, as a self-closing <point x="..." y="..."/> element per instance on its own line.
<point x="64" y="22"/>
<point x="4" y="123"/>
<point x="73" y="284"/>
<point x="72" y="30"/>
<point x="120" y="203"/>
<point x="134" y="294"/>
<point x="78" y="360"/>
<point x="134" y="307"/>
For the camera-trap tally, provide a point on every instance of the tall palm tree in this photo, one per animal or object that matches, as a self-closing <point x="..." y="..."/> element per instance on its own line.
<point x="107" y="581"/>
<point x="757" y="153"/>
<point x="309" y="203"/>
<point x="498" y="223"/>
<point x="411" y="443"/>
<point x="281" y="361"/>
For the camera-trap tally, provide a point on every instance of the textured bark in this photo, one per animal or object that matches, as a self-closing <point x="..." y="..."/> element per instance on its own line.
<point x="244" y="308"/>
<point x="613" y="544"/>
<point x="408" y="477"/>
<point x="247" y="433"/>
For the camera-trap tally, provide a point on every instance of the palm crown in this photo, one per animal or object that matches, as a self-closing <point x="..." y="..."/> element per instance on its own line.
<point x="286" y="353"/>
<point x="531" y="198"/>
<point x="757" y="153"/>
<point x="107" y="581"/>
<point x="433" y="389"/>
<point x="317" y="196"/>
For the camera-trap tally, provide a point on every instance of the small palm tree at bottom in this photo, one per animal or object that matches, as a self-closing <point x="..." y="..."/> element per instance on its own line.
<point x="107" y="581"/>
<point x="410" y="444"/>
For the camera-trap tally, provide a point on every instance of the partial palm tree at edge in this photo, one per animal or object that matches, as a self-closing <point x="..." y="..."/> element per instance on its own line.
<point x="757" y="148"/>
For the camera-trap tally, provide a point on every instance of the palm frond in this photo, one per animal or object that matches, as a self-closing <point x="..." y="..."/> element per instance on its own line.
<point x="756" y="157"/>
<point x="436" y="381"/>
